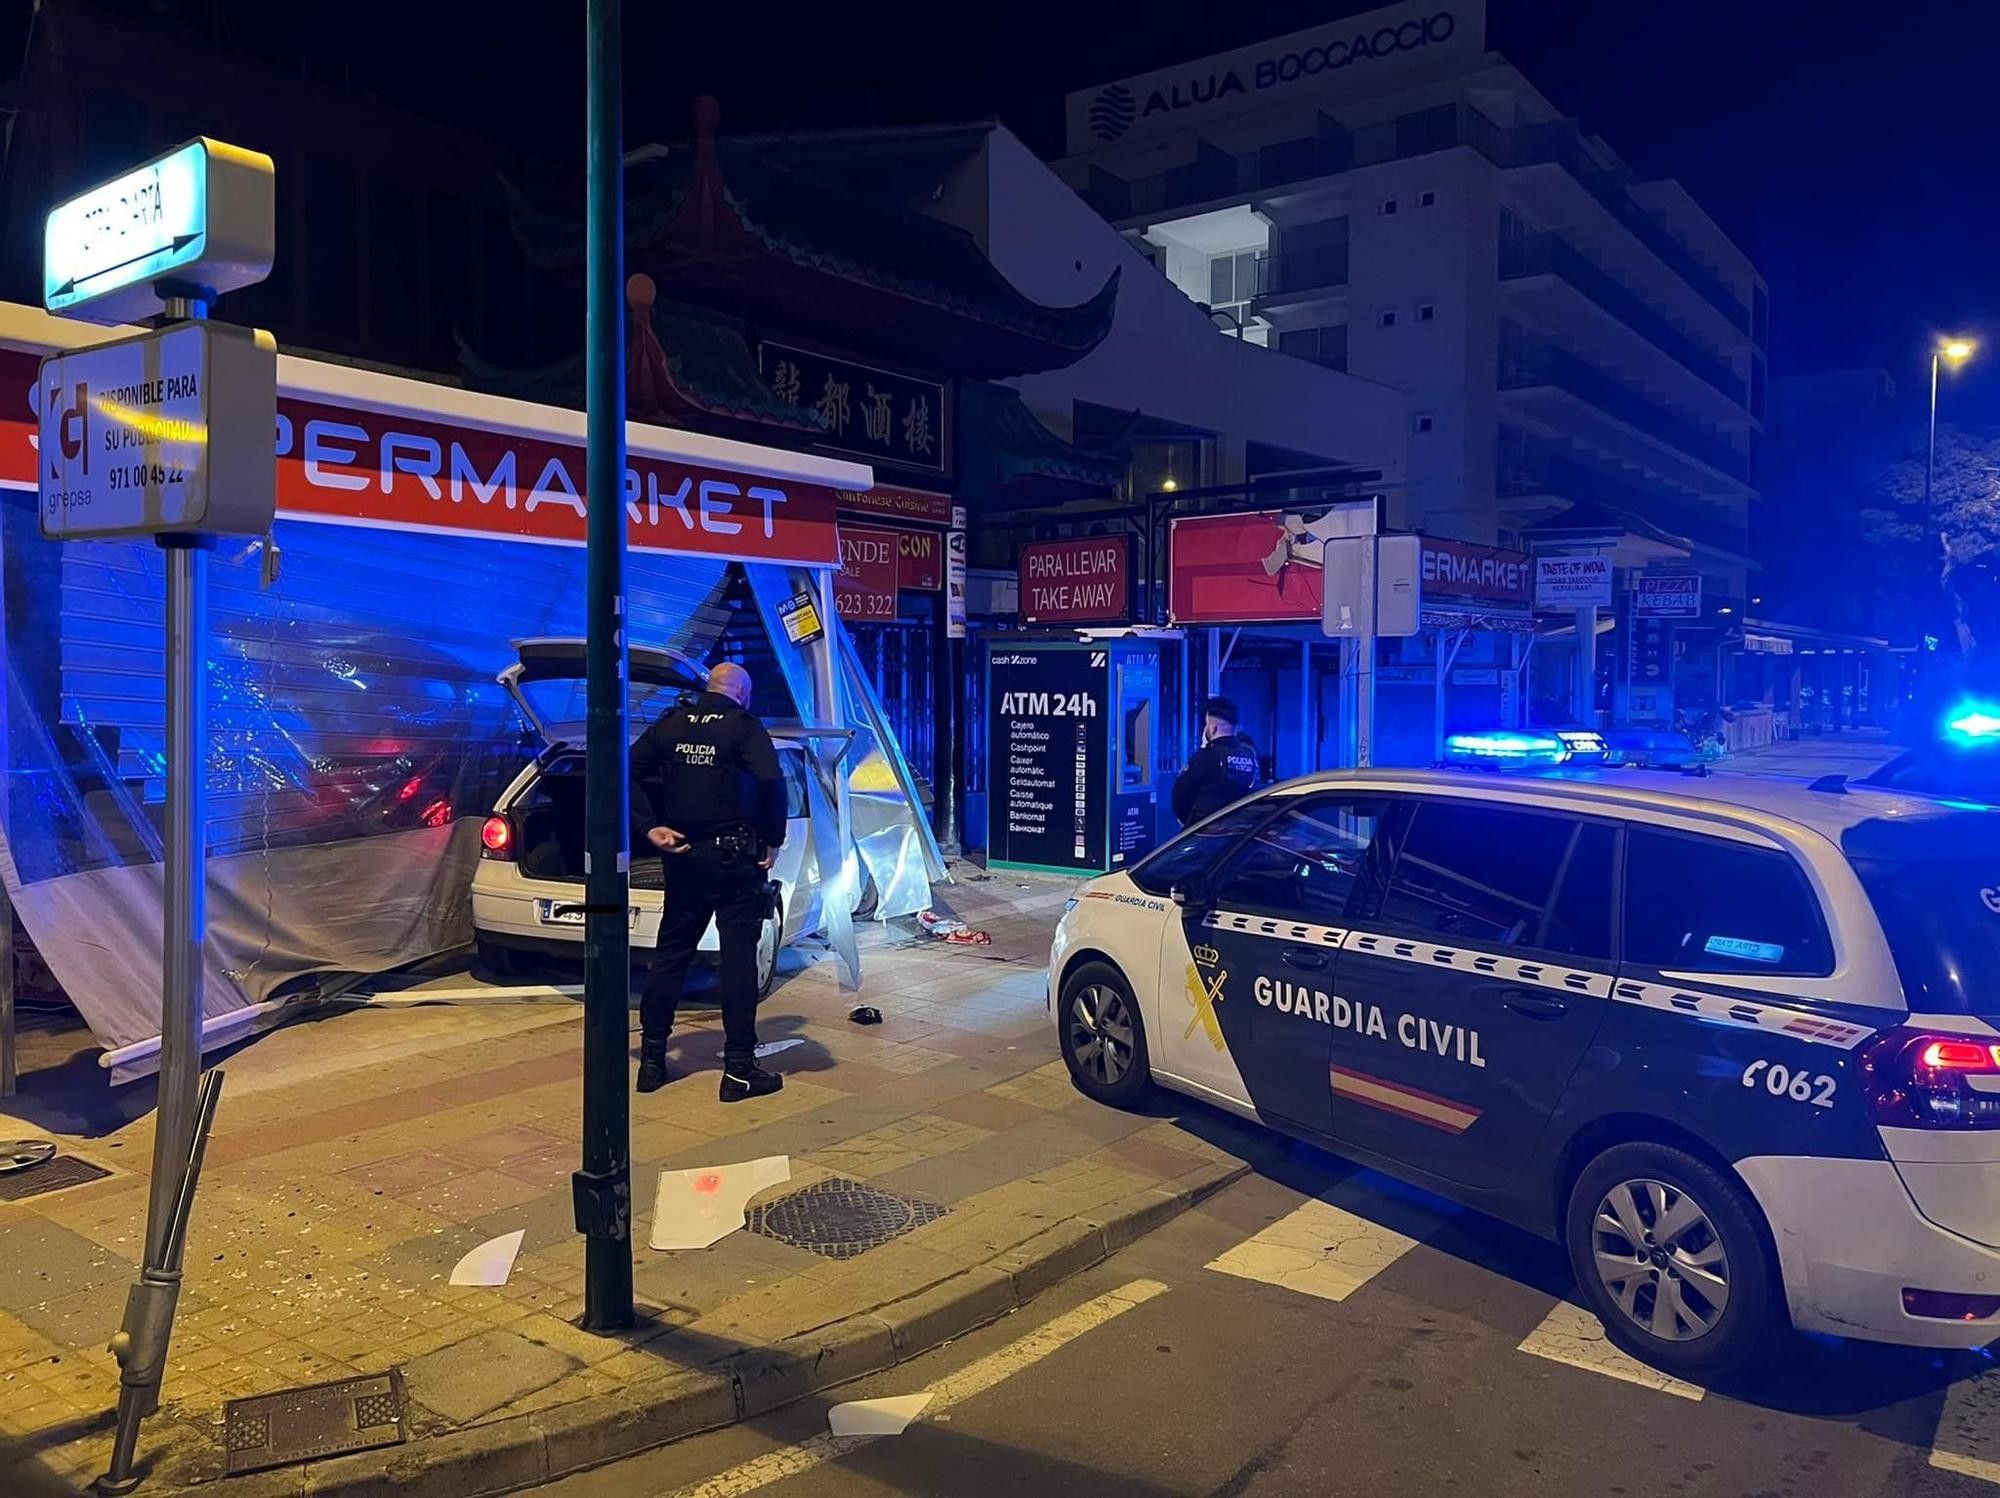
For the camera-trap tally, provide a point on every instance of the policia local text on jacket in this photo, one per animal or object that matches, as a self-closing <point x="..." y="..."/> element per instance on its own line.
<point x="708" y="771"/>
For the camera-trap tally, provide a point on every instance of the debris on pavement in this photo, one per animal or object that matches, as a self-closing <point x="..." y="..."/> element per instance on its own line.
<point x="22" y="1154"/>
<point x="876" y="1417"/>
<point x="944" y="928"/>
<point x="772" y="1047"/>
<point x="492" y="1262"/>
<point x="694" y="1208"/>
<point x="865" y="1014"/>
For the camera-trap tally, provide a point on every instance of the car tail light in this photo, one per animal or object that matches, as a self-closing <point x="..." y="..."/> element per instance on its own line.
<point x="1946" y="1305"/>
<point x="1913" y="1079"/>
<point x="496" y="838"/>
<point x="410" y="789"/>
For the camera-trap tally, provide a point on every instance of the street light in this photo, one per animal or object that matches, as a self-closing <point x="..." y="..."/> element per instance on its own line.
<point x="1954" y="351"/>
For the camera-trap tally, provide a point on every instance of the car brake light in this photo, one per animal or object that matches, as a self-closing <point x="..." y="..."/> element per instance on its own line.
<point x="410" y="789"/>
<point x="496" y="836"/>
<point x="1912" y="1079"/>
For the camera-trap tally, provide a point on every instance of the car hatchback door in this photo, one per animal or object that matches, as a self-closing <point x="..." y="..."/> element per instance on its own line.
<point x="1474" y="980"/>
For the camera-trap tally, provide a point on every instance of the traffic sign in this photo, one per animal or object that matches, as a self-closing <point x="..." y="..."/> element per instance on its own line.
<point x="201" y="218"/>
<point x="168" y="433"/>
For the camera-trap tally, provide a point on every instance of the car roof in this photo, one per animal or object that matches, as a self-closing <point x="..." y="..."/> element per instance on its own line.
<point x="1721" y="794"/>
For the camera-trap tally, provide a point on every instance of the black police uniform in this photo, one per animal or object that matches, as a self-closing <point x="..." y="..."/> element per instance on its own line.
<point x="1222" y="770"/>
<point x="709" y="771"/>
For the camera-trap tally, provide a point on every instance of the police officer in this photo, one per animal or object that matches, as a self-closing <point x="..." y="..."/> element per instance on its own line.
<point x="1223" y="769"/>
<point x="708" y="796"/>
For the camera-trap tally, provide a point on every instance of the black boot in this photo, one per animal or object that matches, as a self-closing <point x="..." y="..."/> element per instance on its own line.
<point x="653" y="1065"/>
<point x="741" y="1081"/>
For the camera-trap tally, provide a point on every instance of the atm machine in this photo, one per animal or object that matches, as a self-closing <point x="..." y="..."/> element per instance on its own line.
<point x="1072" y="775"/>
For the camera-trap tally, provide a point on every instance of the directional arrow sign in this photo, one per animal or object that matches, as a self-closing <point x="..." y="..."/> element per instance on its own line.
<point x="198" y="221"/>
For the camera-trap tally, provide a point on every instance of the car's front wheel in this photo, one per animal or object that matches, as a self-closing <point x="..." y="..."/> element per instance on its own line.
<point x="1103" y="1039"/>
<point x="1670" y="1254"/>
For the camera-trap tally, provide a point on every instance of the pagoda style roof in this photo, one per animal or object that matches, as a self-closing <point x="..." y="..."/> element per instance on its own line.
<point x="722" y="224"/>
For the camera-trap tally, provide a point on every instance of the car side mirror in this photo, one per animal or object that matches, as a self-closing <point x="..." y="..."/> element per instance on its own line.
<point x="1193" y="893"/>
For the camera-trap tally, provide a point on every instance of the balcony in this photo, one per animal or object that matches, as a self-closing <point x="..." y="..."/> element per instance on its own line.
<point x="1217" y="174"/>
<point x="1296" y="274"/>
<point x="1540" y="473"/>
<point x="1525" y="366"/>
<point x="1552" y="255"/>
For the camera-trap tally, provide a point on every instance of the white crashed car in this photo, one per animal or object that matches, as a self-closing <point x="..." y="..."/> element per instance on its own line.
<point x="529" y="882"/>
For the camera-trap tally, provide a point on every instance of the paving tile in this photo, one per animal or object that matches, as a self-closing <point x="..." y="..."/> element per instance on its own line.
<point x="466" y="1380"/>
<point x="43" y="1260"/>
<point x="986" y="1110"/>
<point x="414" y="1171"/>
<point x="497" y="1148"/>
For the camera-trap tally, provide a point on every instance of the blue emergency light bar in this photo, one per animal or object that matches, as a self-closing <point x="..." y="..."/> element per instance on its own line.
<point x="1500" y="748"/>
<point x="1973" y="722"/>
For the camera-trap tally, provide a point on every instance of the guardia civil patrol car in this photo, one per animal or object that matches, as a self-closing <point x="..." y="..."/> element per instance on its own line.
<point x="1734" y="1040"/>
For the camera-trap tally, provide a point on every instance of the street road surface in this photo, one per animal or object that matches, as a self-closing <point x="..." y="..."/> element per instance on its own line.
<point x="1332" y="1332"/>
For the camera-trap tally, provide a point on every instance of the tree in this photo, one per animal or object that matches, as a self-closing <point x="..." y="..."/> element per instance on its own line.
<point x="1957" y="543"/>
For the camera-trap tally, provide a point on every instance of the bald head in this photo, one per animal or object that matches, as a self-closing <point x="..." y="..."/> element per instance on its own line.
<point x="732" y="681"/>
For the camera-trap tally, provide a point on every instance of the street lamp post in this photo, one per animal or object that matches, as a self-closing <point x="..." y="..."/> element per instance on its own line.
<point x="1955" y="351"/>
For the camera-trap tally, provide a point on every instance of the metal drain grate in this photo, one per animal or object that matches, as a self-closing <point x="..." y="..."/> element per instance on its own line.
<point x="54" y="1175"/>
<point x="304" y="1424"/>
<point x="838" y="1219"/>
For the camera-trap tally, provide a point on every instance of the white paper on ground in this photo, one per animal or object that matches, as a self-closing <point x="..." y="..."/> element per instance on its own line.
<point x="876" y="1417"/>
<point x="491" y="1262"/>
<point x="772" y="1047"/>
<point x="694" y="1208"/>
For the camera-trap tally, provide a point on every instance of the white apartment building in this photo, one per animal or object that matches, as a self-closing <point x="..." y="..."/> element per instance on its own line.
<point x="1383" y="196"/>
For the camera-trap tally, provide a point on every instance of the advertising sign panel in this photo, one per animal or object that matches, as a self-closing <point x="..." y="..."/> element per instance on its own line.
<point x="864" y="590"/>
<point x="1572" y="582"/>
<point x="1263" y="567"/>
<point x="1081" y="581"/>
<point x="1658" y="595"/>
<point x="1045" y="757"/>
<point x="1462" y="569"/>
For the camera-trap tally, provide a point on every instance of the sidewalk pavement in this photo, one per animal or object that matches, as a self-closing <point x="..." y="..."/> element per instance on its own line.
<point x="357" y="1156"/>
<point x="1854" y="752"/>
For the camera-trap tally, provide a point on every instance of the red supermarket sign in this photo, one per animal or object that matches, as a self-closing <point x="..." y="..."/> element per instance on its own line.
<point x="1077" y="581"/>
<point x="1465" y="570"/>
<point x="358" y="467"/>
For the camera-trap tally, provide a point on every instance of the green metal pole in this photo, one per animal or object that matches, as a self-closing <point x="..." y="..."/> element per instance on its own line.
<point x="604" y="1185"/>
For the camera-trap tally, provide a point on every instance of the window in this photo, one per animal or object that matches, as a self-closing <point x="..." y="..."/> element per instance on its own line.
<point x="1427" y="199"/>
<point x="1302" y="864"/>
<point x="1698" y="904"/>
<point x="1495" y="876"/>
<point x="798" y="797"/>
<point x="1194" y="852"/>
<point x="1427" y="311"/>
<point x="1232" y="283"/>
<point x="1388" y="207"/>
<point x="1425" y="423"/>
<point x="1323" y="346"/>
<point x="1386" y="320"/>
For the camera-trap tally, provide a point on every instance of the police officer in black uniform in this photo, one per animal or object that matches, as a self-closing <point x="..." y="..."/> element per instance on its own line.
<point x="708" y="795"/>
<point x="1223" y="769"/>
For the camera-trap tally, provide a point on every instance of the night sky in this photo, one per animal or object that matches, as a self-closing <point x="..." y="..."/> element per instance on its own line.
<point x="1849" y="150"/>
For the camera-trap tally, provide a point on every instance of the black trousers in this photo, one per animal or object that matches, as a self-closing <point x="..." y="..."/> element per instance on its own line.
<point x="706" y="884"/>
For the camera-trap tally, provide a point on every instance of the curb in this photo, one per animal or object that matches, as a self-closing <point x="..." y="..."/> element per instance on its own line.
<point x="521" y="1451"/>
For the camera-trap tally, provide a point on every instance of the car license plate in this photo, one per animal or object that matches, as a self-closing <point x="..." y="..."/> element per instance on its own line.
<point x="566" y="913"/>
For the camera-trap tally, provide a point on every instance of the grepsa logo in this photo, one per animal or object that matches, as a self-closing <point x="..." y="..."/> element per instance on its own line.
<point x="1111" y="117"/>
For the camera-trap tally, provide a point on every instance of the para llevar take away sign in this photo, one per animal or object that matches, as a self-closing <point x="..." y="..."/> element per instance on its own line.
<point x="202" y="218"/>
<point x="165" y="433"/>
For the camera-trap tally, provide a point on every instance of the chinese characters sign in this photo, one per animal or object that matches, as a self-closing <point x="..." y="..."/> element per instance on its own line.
<point x="889" y="418"/>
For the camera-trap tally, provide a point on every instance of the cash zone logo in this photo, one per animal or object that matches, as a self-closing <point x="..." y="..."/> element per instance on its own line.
<point x="1112" y="112"/>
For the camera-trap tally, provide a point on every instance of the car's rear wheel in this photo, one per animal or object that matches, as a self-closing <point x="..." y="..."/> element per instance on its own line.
<point x="1103" y="1039"/>
<point x="497" y="961"/>
<point x="1671" y="1255"/>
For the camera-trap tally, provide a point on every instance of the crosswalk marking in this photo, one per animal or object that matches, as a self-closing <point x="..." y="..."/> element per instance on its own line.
<point x="1570" y="1334"/>
<point x="1320" y="1249"/>
<point x="1968" y="1428"/>
<point x="973" y="1379"/>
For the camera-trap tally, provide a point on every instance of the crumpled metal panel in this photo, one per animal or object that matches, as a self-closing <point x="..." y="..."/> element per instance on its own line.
<point x="356" y="736"/>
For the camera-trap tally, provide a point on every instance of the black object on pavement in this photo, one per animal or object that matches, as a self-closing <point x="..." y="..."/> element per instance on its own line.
<point x="867" y="1014"/>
